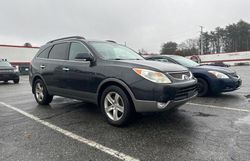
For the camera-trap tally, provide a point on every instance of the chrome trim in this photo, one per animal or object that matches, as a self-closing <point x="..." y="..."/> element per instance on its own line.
<point x="180" y="72"/>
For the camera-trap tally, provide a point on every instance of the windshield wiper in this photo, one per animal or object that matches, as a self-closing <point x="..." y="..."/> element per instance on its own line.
<point x="125" y="59"/>
<point x="117" y="59"/>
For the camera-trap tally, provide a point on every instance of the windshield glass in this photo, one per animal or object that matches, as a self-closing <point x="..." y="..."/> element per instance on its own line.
<point x="184" y="61"/>
<point x="4" y="64"/>
<point x="113" y="51"/>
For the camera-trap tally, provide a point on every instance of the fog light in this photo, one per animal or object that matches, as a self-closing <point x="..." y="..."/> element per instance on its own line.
<point x="162" y="105"/>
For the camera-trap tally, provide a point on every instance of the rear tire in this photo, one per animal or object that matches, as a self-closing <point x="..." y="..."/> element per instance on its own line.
<point x="116" y="106"/>
<point x="203" y="88"/>
<point x="41" y="93"/>
<point x="16" y="81"/>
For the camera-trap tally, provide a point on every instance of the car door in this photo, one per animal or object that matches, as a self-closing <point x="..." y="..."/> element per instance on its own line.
<point x="54" y="72"/>
<point x="79" y="73"/>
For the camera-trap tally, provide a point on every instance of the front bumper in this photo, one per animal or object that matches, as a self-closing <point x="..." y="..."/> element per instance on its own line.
<point x="226" y="85"/>
<point x="170" y="96"/>
<point x="152" y="106"/>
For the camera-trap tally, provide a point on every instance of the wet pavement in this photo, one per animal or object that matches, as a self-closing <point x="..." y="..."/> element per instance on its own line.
<point x="210" y="128"/>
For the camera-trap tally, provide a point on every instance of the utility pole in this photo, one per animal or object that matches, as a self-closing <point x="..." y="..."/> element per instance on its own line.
<point x="248" y="31"/>
<point x="201" y="37"/>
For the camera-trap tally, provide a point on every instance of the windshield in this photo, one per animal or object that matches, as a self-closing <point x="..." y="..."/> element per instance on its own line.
<point x="4" y="64"/>
<point x="113" y="51"/>
<point x="184" y="61"/>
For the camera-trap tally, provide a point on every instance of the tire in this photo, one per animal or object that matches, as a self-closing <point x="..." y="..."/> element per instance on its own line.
<point x="203" y="87"/>
<point x="116" y="106"/>
<point x="6" y="81"/>
<point x="16" y="81"/>
<point x="41" y="93"/>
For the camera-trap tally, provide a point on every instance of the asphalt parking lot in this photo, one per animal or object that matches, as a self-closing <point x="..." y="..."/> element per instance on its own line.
<point x="213" y="128"/>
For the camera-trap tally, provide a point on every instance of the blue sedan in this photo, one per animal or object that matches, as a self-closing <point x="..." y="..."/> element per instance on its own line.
<point x="211" y="79"/>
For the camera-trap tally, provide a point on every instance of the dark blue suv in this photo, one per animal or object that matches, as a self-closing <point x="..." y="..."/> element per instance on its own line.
<point x="110" y="75"/>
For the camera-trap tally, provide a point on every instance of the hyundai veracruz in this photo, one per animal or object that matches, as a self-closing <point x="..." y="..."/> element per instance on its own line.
<point x="110" y="75"/>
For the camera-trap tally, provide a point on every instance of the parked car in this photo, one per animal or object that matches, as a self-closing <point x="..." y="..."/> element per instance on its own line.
<point x="110" y="75"/>
<point x="7" y="72"/>
<point x="211" y="79"/>
<point x="219" y="63"/>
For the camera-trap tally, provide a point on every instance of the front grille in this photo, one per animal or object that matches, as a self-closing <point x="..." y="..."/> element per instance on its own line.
<point x="185" y="92"/>
<point x="179" y="75"/>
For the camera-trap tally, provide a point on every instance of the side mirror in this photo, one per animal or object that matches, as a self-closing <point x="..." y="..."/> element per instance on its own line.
<point x="84" y="57"/>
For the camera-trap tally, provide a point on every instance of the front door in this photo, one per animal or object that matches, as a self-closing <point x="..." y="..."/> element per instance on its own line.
<point x="79" y="73"/>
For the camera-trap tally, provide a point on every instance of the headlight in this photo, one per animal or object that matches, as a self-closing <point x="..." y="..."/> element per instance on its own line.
<point x="218" y="74"/>
<point x="191" y="75"/>
<point x="153" y="76"/>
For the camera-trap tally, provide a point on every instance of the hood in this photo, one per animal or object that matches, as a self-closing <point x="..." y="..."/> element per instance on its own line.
<point x="215" y="68"/>
<point x="153" y="65"/>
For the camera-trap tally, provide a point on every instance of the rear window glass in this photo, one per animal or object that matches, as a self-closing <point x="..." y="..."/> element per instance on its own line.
<point x="5" y="64"/>
<point x="44" y="53"/>
<point x="59" y="51"/>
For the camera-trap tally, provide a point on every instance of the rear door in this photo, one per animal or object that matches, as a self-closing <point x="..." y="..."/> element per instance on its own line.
<point x="54" y="71"/>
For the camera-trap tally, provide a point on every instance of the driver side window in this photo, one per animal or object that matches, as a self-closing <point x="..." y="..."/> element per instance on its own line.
<point x="75" y="49"/>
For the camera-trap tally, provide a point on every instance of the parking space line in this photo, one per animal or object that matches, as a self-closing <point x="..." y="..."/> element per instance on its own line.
<point x="219" y="107"/>
<point x="69" y="134"/>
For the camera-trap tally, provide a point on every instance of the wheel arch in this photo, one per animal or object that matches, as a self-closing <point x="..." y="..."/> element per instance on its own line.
<point x="34" y="79"/>
<point x="113" y="81"/>
<point x="202" y="76"/>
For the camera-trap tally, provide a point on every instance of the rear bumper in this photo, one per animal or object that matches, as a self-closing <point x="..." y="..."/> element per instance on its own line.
<point x="152" y="106"/>
<point x="9" y="76"/>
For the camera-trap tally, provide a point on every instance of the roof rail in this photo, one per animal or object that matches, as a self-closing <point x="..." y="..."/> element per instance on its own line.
<point x="65" y="38"/>
<point x="111" y="41"/>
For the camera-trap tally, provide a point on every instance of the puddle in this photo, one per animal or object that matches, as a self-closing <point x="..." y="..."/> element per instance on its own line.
<point x="201" y="114"/>
<point x="247" y="96"/>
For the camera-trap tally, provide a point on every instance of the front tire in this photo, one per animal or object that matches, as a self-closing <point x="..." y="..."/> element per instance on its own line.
<point x="41" y="93"/>
<point x="203" y="88"/>
<point x="16" y="81"/>
<point x="116" y="106"/>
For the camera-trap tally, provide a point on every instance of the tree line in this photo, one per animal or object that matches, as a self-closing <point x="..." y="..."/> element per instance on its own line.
<point x="233" y="38"/>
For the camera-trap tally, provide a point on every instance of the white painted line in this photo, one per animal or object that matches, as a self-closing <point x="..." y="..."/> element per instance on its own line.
<point x="67" y="133"/>
<point x="220" y="107"/>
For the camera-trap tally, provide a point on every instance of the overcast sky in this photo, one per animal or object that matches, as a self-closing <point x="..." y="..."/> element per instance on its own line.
<point x="141" y="23"/>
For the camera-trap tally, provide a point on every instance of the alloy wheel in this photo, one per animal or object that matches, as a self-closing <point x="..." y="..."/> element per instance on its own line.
<point x="39" y="92"/>
<point x="114" y="106"/>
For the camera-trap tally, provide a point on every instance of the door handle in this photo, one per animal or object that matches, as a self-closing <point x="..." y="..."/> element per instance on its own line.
<point x="42" y="66"/>
<point x="65" y="69"/>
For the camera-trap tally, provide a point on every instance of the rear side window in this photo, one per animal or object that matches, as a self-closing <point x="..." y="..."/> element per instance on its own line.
<point x="75" y="49"/>
<point x="59" y="51"/>
<point x="44" y="53"/>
